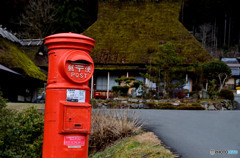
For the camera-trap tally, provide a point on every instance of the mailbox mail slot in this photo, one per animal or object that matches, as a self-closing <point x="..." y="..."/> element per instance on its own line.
<point x="77" y="67"/>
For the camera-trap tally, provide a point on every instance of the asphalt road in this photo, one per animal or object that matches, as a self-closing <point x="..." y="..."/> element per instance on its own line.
<point x="192" y="134"/>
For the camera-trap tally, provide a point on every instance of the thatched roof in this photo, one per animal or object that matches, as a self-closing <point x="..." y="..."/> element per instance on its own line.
<point x="130" y="32"/>
<point x="13" y="56"/>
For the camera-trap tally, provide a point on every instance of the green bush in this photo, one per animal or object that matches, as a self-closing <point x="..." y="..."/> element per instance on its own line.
<point x="21" y="133"/>
<point x="151" y="105"/>
<point x="190" y="108"/>
<point x="2" y="101"/>
<point x="166" y="106"/>
<point x="122" y="89"/>
<point x="192" y="93"/>
<point x="195" y="104"/>
<point x="226" y="94"/>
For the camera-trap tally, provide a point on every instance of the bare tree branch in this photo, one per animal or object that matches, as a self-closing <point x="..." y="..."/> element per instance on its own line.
<point x="38" y="19"/>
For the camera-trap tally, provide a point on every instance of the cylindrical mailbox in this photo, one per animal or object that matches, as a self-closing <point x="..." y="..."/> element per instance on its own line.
<point x="67" y="122"/>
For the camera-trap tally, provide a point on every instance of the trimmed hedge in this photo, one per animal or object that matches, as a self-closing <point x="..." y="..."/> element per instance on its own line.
<point x="226" y="94"/>
<point x="190" y="108"/>
<point x="167" y="106"/>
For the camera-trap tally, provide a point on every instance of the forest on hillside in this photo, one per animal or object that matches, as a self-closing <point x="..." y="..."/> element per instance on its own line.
<point x="40" y="18"/>
<point x="214" y="23"/>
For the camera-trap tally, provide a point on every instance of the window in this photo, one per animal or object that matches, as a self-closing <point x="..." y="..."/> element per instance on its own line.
<point x="102" y="82"/>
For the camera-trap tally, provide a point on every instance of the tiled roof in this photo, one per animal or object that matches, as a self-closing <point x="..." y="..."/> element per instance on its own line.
<point x="230" y="60"/>
<point x="24" y="42"/>
<point x="8" y="35"/>
<point x="32" y="42"/>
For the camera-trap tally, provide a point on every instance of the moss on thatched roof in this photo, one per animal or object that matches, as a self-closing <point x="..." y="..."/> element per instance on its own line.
<point x="131" y="32"/>
<point x="13" y="56"/>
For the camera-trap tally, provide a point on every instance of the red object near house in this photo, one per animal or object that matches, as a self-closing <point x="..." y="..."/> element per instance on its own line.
<point x="67" y="122"/>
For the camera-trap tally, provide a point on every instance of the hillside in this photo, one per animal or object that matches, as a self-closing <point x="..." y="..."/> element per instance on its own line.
<point x="130" y="32"/>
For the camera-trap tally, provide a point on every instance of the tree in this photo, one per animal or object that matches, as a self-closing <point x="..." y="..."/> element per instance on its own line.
<point x="204" y="34"/>
<point x="37" y="19"/>
<point x="75" y="15"/>
<point x="217" y="70"/>
<point x="124" y="84"/>
<point x="164" y="65"/>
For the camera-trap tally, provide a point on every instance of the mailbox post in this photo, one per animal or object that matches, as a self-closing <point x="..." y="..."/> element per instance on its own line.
<point x="67" y="122"/>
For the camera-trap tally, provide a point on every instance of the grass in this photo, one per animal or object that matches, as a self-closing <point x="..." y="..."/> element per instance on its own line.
<point x="209" y="100"/>
<point x="119" y="127"/>
<point x="141" y="146"/>
<point x="111" y="125"/>
<point x="23" y="106"/>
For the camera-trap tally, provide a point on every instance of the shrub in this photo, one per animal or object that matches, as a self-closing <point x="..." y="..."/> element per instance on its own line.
<point x="123" y="90"/>
<point x="111" y="125"/>
<point x="181" y="94"/>
<point x="226" y="94"/>
<point x="195" y="104"/>
<point x="190" y="108"/>
<point x="21" y="134"/>
<point x="166" y="106"/>
<point x="2" y="101"/>
<point x="194" y="94"/>
<point x="151" y="105"/>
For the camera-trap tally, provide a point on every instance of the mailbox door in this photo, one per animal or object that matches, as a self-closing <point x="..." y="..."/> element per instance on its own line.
<point x="75" y="118"/>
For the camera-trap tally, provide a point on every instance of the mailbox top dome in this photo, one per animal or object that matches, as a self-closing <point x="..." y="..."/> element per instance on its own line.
<point x="69" y="35"/>
<point x="69" y="41"/>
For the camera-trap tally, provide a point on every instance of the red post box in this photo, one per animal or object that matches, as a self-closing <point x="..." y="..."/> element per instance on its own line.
<point x="67" y="121"/>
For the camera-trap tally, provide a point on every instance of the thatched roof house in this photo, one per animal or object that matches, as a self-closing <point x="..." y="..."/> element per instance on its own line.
<point x="20" y="77"/>
<point x="128" y="33"/>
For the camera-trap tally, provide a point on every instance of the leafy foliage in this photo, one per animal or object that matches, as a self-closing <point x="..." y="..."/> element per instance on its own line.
<point x="21" y="133"/>
<point x="2" y="101"/>
<point x="217" y="70"/>
<point x="190" y="108"/>
<point x="122" y="90"/>
<point x="165" y="65"/>
<point x="74" y="15"/>
<point x="124" y="84"/>
<point x="125" y="80"/>
<point x="213" y="68"/>
<point x="227" y="94"/>
<point x="37" y="25"/>
<point x="212" y="89"/>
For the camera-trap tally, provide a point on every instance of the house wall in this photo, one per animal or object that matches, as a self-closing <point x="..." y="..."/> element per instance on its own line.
<point x="230" y="84"/>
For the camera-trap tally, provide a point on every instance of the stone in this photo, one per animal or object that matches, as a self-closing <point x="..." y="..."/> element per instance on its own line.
<point x="124" y="102"/>
<point x="176" y="104"/>
<point x="211" y="107"/>
<point x="134" y="100"/>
